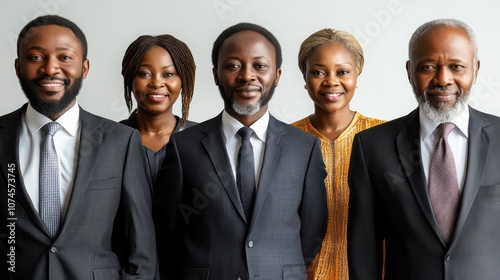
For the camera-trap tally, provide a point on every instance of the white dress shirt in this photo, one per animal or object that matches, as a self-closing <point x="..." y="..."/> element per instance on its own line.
<point x="458" y="140"/>
<point x="230" y="127"/>
<point x="66" y="142"/>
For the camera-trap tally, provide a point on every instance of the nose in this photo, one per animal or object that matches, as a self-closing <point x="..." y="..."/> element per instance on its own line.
<point x="51" y="67"/>
<point x="247" y="73"/>
<point x="330" y="80"/>
<point x="156" y="81"/>
<point x="443" y="76"/>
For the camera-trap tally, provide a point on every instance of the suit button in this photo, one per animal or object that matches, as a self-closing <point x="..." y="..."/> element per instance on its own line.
<point x="250" y="244"/>
<point x="53" y="249"/>
<point x="448" y="258"/>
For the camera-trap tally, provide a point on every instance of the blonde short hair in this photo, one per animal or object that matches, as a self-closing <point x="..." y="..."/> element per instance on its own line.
<point x="329" y="36"/>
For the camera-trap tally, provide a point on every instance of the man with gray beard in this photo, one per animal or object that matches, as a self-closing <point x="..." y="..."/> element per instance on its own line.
<point x="222" y="217"/>
<point x="427" y="184"/>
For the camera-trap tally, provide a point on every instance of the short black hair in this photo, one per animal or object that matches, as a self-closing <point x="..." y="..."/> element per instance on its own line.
<point x="53" y="20"/>
<point x="244" y="26"/>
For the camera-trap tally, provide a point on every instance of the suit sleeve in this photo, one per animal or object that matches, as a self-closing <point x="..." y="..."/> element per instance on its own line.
<point x="314" y="211"/>
<point x="364" y="229"/>
<point x="136" y="206"/>
<point x="168" y="221"/>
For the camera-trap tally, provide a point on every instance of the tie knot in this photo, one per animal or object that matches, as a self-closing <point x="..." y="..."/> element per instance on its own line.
<point x="51" y="128"/>
<point x="245" y="132"/>
<point x="445" y="129"/>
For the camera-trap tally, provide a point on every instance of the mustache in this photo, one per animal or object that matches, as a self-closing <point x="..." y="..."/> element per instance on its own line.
<point x="438" y="89"/>
<point x="248" y="85"/>
<point x="51" y="78"/>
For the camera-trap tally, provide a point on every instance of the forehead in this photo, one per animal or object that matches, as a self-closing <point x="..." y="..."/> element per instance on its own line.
<point x="447" y="40"/>
<point x="50" y="37"/>
<point x="332" y="50"/>
<point x="157" y="53"/>
<point x="247" y="44"/>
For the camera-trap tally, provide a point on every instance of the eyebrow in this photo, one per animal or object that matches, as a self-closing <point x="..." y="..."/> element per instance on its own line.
<point x="57" y="49"/>
<point x="337" y="64"/>
<point x="163" y="67"/>
<point x="450" y="60"/>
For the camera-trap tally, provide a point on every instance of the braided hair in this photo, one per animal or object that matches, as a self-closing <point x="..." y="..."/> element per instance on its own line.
<point x="183" y="63"/>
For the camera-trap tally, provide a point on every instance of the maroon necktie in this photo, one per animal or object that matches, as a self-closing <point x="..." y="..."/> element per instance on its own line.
<point x="443" y="183"/>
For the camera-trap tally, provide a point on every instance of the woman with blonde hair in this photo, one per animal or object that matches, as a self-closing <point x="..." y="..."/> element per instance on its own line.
<point x="330" y="61"/>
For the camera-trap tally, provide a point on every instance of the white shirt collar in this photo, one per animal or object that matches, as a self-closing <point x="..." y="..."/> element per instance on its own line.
<point x="230" y="126"/>
<point x="427" y="126"/>
<point x="69" y="120"/>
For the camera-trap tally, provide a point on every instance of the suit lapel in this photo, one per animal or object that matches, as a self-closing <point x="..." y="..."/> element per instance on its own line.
<point x="479" y="142"/>
<point x="408" y="145"/>
<point x="10" y="130"/>
<point x="90" y="140"/>
<point x="272" y="155"/>
<point x="216" y="150"/>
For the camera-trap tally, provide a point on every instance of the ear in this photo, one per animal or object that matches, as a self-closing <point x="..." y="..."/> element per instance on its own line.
<point x="278" y="75"/>
<point x="216" y="79"/>
<point x="16" y="66"/>
<point x="85" y="68"/>
<point x="476" y="70"/>
<point x="408" y="72"/>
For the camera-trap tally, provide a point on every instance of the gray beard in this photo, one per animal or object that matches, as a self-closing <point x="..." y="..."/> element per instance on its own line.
<point x="442" y="114"/>
<point x="245" y="110"/>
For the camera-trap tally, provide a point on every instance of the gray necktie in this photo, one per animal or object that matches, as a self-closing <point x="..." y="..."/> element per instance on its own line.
<point x="443" y="183"/>
<point x="50" y="200"/>
<point x="245" y="171"/>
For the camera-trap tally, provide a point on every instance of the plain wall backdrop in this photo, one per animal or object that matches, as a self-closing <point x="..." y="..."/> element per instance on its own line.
<point x="383" y="27"/>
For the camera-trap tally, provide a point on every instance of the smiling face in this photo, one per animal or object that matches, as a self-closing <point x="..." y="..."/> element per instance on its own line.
<point x="156" y="85"/>
<point x="442" y="70"/>
<point x="331" y="77"/>
<point x="246" y="74"/>
<point x="51" y="68"/>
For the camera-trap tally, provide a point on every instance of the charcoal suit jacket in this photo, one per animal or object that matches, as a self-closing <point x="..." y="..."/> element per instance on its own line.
<point x="109" y="211"/>
<point x="389" y="201"/>
<point x="203" y="231"/>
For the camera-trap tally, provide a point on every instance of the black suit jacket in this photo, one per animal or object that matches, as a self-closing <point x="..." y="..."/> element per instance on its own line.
<point x="389" y="201"/>
<point x="203" y="232"/>
<point x="110" y="185"/>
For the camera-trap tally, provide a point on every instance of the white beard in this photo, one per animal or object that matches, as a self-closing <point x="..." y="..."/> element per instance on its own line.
<point x="442" y="114"/>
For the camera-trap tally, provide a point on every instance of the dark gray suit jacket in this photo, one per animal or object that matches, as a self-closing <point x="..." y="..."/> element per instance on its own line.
<point x="203" y="232"/>
<point x="110" y="185"/>
<point x="389" y="201"/>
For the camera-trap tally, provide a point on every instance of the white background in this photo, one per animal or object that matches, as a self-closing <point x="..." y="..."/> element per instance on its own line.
<point x="382" y="26"/>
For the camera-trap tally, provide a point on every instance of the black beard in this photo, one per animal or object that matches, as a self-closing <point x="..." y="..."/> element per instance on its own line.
<point x="246" y="110"/>
<point x="50" y="108"/>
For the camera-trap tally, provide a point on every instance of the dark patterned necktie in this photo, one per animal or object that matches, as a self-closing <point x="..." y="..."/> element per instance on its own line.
<point x="245" y="171"/>
<point x="50" y="200"/>
<point x="443" y="183"/>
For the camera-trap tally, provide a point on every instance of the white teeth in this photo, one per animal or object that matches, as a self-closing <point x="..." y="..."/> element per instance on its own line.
<point x="51" y="85"/>
<point x="156" y="96"/>
<point x="333" y="94"/>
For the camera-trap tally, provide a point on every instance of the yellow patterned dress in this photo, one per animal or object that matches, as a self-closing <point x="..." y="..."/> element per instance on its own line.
<point x="331" y="261"/>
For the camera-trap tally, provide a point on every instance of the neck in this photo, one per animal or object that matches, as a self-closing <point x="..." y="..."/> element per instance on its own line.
<point x="331" y="124"/>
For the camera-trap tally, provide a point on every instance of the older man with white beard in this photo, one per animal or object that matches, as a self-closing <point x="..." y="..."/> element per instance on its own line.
<point x="428" y="183"/>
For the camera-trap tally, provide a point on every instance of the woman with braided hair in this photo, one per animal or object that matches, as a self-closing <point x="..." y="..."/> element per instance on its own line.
<point x="156" y="70"/>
